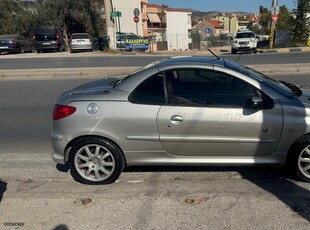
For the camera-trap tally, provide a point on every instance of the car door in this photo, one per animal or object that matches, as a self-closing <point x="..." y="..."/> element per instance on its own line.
<point x="212" y="116"/>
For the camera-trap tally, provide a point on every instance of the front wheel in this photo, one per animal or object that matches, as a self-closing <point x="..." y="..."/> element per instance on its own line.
<point x="298" y="159"/>
<point x="96" y="161"/>
<point x="254" y="51"/>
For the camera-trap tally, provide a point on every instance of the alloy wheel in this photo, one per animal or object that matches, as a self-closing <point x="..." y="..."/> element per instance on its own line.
<point x="94" y="162"/>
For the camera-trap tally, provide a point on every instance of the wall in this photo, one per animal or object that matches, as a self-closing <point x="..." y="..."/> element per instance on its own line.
<point x="126" y="21"/>
<point x="177" y="32"/>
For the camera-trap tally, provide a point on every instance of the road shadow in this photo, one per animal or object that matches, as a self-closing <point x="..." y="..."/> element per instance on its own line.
<point x="3" y="186"/>
<point x="62" y="168"/>
<point x="273" y="180"/>
<point x="61" y="227"/>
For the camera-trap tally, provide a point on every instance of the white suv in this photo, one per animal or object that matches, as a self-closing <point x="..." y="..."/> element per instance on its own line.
<point x="244" y="41"/>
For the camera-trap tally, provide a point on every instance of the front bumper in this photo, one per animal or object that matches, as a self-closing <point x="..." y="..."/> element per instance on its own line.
<point x="243" y="48"/>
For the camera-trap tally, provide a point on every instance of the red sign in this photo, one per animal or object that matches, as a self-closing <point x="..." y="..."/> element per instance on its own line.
<point x="275" y="18"/>
<point x="136" y="19"/>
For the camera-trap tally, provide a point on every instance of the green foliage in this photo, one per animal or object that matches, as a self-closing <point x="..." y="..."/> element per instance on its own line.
<point x="256" y="28"/>
<point x="15" y="19"/>
<point x="284" y="19"/>
<point x="68" y="15"/>
<point x="301" y="23"/>
<point x="264" y="19"/>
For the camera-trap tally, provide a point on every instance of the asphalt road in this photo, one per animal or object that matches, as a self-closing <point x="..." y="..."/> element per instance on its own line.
<point x="84" y="60"/>
<point x="38" y="195"/>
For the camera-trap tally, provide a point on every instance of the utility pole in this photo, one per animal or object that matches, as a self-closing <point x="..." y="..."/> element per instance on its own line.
<point x="110" y="24"/>
<point x="274" y="19"/>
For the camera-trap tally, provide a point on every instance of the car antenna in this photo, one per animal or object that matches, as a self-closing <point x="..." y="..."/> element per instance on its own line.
<point x="211" y="51"/>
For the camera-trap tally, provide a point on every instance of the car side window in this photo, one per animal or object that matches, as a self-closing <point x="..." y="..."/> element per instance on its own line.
<point x="201" y="87"/>
<point x="151" y="91"/>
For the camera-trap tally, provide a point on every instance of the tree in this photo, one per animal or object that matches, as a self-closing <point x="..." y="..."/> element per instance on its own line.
<point x="15" y="18"/>
<point x="265" y="18"/>
<point x="284" y="19"/>
<point x="300" y="22"/>
<point x="71" y="16"/>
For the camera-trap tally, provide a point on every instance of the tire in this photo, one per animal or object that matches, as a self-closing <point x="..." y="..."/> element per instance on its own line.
<point x="96" y="161"/>
<point x="96" y="46"/>
<point x="298" y="160"/>
<point x="233" y="51"/>
<point x="254" y="51"/>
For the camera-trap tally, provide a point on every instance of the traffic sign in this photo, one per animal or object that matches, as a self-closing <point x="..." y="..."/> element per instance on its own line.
<point x="275" y="18"/>
<point x="136" y="19"/>
<point x="116" y="14"/>
<point x="208" y="30"/>
<point x="136" y="12"/>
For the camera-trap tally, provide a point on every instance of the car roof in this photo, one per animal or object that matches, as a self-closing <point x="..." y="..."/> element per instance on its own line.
<point x="79" y="33"/>
<point x="9" y="36"/>
<point x="181" y="60"/>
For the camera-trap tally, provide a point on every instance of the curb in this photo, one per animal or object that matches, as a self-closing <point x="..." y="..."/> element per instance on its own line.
<point x="285" y="50"/>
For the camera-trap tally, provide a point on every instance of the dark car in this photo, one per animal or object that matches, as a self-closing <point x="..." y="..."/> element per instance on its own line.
<point x="48" y="39"/>
<point x="100" y="43"/>
<point x="15" y="44"/>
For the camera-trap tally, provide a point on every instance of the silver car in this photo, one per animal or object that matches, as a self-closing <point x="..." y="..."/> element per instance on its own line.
<point x="80" y="42"/>
<point x="182" y="111"/>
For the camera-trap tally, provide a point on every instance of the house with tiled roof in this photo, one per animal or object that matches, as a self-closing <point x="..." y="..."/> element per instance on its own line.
<point x="209" y="28"/>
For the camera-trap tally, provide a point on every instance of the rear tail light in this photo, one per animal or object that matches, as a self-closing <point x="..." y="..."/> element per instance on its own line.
<point x="57" y="36"/>
<point x="33" y="37"/>
<point x="12" y="42"/>
<point x="62" y="111"/>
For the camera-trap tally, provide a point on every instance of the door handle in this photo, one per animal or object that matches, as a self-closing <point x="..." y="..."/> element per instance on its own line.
<point x="176" y="118"/>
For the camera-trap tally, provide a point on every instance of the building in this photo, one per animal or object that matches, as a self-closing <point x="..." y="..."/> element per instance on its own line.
<point x="125" y="23"/>
<point x="179" y="25"/>
<point x="230" y="24"/>
<point x="168" y="28"/>
<point x="209" y="28"/>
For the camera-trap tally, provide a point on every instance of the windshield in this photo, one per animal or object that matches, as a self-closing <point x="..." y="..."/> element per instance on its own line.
<point x="137" y="71"/>
<point x="245" y="35"/>
<point x="80" y="36"/>
<point x="45" y="34"/>
<point x="282" y="87"/>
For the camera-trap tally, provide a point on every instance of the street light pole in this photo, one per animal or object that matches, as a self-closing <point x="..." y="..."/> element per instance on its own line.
<point x="274" y="11"/>
<point x="110" y="26"/>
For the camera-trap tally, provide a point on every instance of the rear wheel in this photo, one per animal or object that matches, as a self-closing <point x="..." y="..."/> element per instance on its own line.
<point x="254" y="51"/>
<point x="298" y="160"/>
<point x="96" y="161"/>
<point x="233" y="51"/>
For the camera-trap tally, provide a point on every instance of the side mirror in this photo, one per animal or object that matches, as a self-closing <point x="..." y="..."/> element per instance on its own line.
<point x="257" y="103"/>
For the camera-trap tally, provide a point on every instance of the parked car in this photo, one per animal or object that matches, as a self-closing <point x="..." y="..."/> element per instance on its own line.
<point x="182" y="111"/>
<point x="48" y="39"/>
<point x="80" y="42"/>
<point x="100" y="43"/>
<point x="244" y="41"/>
<point x="15" y="44"/>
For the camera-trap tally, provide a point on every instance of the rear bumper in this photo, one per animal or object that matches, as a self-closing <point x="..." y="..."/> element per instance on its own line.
<point x="81" y="47"/>
<point x="10" y="49"/>
<point x="58" y="144"/>
<point x="47" y="46"/>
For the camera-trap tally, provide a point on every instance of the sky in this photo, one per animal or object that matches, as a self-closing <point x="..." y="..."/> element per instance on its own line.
<point x="224" y="5"/>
